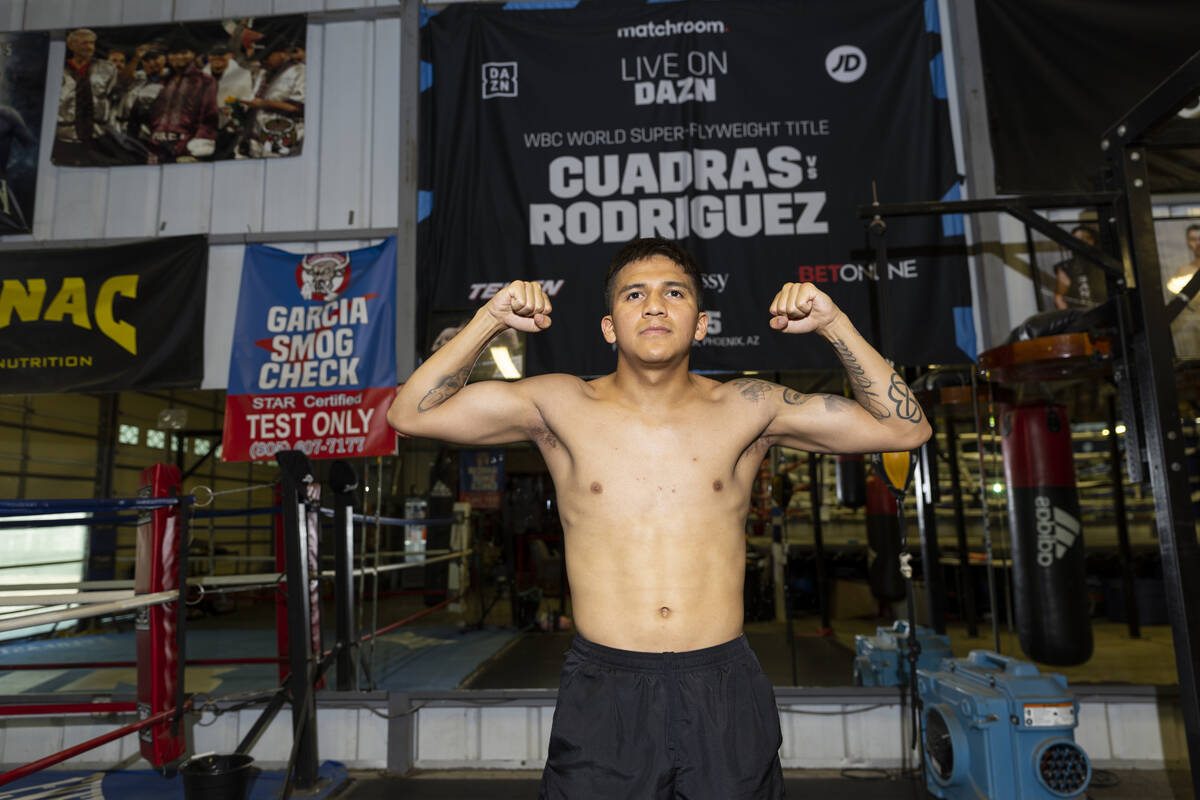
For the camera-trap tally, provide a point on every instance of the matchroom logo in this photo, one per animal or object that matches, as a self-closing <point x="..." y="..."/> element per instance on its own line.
<point x="656" y="30"/>
<point x="1057" y="530"/>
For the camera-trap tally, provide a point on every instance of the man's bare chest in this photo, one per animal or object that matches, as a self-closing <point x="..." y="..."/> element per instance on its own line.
<point x="687" y="449"/>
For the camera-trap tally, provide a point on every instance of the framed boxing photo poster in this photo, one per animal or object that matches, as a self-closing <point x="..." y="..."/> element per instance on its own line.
<point x="23" y="58"/>
<point x="1179" y="258"/>
<point x="195" y="91"/>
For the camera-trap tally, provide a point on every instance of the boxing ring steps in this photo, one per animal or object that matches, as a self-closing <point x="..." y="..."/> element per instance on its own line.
<point x="149" y="785"/>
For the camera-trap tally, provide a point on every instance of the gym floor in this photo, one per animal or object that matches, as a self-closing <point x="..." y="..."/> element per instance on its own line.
<point x="847" y="785"/>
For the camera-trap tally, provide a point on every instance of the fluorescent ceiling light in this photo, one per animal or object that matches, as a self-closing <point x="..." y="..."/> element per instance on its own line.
<point x="504" y="362"/>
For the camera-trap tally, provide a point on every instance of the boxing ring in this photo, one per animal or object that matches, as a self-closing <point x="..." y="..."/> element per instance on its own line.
<point x="163" y="589"/>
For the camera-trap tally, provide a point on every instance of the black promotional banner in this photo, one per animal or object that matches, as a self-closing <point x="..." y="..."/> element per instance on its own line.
<point x="23" y="58"/>
<point x="103" y="319"/>
<point x="1059" y="73"/>
<point x="748" y="130"/>
<point x="195" y="91"/>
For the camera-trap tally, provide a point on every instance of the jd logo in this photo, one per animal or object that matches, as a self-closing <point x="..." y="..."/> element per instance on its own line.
<point x="500" y="79"/>
<point x="846" y="63"/>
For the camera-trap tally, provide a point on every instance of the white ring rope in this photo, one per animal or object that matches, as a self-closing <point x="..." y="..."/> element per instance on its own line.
<point x="61" y="599"/>
<point x="91" y="610"/>
<point x="104" y="601"/>
<point x="209" y="494"/>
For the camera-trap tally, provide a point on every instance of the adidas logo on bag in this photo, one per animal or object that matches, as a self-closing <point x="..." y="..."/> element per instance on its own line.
<point x="1057" y="530"/>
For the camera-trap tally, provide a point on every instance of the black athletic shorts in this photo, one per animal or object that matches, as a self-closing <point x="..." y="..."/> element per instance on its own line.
<point x="628" y="726"/>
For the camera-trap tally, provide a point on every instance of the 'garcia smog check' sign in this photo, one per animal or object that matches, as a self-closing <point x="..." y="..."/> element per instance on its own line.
<point x="314" y="364"/>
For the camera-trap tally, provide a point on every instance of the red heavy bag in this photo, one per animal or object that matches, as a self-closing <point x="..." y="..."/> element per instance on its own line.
<point x="157" y="570"/>
<point x="1050" y="601"/>
<point x="883" y="539"/>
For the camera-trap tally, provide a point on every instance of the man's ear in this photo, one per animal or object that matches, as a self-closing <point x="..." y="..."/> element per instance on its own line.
<point x="606" y="328"/>
<point x="701" y="326"/>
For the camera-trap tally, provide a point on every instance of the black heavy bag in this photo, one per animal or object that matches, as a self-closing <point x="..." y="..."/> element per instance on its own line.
<point x="1049" y="577"/>
<point x="883" y="538"/>
<point x="851" y="482"/>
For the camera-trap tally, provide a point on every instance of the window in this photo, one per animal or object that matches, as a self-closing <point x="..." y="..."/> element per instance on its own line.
<point x="201" y="447"/>
<point x="156" y="439"/>
<point x="58" y="553"/>
<point x="128" y="434"/>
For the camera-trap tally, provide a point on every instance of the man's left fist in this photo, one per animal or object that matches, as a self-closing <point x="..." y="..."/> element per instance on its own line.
<point x="802" y="308"/>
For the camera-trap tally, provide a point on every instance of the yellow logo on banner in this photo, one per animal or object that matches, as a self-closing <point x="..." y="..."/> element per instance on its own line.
<point x="27" y="299"/>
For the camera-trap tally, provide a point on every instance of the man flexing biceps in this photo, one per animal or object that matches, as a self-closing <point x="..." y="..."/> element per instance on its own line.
<point x="660" y="695"/>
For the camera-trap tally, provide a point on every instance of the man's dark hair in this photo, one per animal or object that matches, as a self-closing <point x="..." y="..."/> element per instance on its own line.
<point x="639" y="249"/>
<point x="1195" y="226"/>
<point x="219" y="50"/>
<point x="1088" y="229"/>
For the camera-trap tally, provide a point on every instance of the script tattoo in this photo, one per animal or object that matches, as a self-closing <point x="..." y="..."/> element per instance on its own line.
<point x="907" y="406"/>
<point x="444" y="390"/>
<point x="860" y="383"/>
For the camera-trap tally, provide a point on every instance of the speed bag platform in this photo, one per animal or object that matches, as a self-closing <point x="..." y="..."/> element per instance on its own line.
<point x="1049" y="577"/>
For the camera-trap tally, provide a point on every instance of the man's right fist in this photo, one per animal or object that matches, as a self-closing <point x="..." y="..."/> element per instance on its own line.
<point x="522" y="305"/>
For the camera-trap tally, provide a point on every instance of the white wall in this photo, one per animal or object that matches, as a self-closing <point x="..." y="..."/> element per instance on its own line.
<point x="475" y="731"/>
<point x="346" y="180"/>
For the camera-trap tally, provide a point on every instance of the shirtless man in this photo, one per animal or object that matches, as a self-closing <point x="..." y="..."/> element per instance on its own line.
<point x="660" y="696"/>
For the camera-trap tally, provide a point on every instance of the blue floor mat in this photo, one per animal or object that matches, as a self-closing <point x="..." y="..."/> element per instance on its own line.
<point x="149" y="785"/>
<point x="405" y="660"/>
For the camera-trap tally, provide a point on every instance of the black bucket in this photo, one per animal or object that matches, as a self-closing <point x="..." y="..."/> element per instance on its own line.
<point x="216" y="777"/>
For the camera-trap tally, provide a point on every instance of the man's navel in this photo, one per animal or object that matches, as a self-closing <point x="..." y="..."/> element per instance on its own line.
<point x="664" y="612"/>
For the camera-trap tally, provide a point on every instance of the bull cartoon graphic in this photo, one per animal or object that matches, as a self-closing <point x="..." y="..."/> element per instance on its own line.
<point x="323" y="276"/>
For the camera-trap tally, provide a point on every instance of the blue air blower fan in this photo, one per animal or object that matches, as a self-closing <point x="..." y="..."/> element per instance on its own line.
<point x="997" y="729"/>
<point x="881" y="660"/>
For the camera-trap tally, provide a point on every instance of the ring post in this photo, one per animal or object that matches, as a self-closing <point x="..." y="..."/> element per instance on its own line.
<point x="344" y="481"/>
<point x="814" y="488"/>
<point x="459" y="578"/>
<point x="182" y="545"/>
<point x="296" y="477"/>
<point x="159" y="544"/>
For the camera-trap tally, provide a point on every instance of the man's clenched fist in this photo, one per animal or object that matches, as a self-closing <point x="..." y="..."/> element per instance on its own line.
<point x="802" y="308"/>
<point x="522" y="305"/>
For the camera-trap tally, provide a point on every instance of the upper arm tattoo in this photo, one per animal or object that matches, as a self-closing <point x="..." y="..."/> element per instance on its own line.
<point x="860" y="383"/>
<point x="754" y="390"/>
<point x="444" y="389"/>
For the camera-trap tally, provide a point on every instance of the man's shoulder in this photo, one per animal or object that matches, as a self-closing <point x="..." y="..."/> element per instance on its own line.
<point x="554" y="382"/>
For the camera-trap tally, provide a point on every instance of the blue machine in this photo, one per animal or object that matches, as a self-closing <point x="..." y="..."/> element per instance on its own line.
<point x="998" y="729"/>
<point x="881" y="660"/>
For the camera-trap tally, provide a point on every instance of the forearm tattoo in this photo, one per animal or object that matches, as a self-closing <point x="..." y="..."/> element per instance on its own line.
<point x="755" y="390"/>
<point x="444" y="389"/>
<point x="907" y="406"/>
<point x="859" y="382"/>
